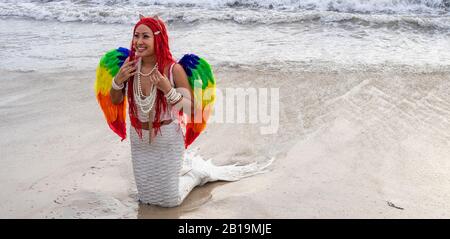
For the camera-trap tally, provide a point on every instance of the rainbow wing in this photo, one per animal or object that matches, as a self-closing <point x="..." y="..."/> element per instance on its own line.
<point x="201" y="79"/>
<point x="108" y="67"/>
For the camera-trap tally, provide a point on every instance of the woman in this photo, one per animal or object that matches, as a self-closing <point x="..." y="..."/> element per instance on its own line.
<point x="157" y="89"/>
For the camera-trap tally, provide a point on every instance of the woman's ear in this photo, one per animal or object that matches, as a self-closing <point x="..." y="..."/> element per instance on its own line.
<point x="141" y="16"/>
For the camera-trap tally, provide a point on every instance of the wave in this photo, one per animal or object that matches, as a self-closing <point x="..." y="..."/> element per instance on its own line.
<point x="427" y="14"/>
<point x="349" y="6"/>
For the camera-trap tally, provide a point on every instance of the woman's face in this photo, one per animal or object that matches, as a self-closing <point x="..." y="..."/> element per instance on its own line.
<point x="143" y="41"/>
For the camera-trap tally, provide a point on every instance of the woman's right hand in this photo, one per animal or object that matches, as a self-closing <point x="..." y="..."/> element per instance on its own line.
<point x="127" y="70"/>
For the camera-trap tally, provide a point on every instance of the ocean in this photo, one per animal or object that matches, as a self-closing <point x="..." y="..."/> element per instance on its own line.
<point x="309" y="35"/>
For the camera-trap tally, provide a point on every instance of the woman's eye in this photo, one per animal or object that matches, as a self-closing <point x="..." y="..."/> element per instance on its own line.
<point x="146" y="36"/>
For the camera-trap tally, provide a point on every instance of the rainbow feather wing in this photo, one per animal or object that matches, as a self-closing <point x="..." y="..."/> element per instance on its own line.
<point x="108" y="67"/>
<point x="201" y="79"/>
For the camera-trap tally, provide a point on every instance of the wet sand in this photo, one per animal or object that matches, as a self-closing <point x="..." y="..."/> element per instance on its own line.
<point x="349" y="145"/>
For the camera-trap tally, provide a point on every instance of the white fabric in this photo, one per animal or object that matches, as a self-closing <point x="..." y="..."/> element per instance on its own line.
<point x="156" y="166"/>
<point x="165" y="175"/>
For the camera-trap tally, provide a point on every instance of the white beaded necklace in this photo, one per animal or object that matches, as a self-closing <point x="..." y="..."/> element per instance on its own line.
<point x="145" y="102"/>
<point x="148" y="74"/>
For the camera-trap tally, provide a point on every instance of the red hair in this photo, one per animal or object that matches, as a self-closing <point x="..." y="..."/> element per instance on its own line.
<point x="163" y="58"/>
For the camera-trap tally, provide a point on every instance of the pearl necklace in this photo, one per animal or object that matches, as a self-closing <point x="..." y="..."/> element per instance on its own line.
<point x="145" y="102"/>
<point x="148" y="74"/>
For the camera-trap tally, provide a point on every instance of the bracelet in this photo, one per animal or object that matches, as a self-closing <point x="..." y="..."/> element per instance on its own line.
<point x="173" y="96"/>
<point x="176" y="98"/>
<point x="115" y="86"/>
<point x="170" y="94"/>
<point x="178" y="101"/>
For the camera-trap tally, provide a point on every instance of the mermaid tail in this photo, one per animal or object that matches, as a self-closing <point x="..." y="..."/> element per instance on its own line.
<point x="197" y="172"/>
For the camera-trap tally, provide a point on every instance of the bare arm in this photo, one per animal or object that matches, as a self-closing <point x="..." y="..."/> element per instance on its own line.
<point x="116" y="96"/>
<point x="181" y="82"/>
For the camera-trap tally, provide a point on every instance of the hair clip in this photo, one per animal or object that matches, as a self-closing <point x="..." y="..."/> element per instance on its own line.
<point x="156" y="33"/>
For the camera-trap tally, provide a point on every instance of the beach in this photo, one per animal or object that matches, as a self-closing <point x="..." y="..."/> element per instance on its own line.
<point x="356" y="150"/>
<point x="363" y="126"/>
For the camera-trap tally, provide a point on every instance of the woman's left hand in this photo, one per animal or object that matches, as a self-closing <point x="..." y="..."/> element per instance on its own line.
<point x="161" y="82"/>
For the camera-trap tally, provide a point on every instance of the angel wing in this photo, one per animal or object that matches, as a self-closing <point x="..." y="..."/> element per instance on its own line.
<point x="108" y="67"/>
<point x="202" y="81"/>
<point x="200" y="77"/>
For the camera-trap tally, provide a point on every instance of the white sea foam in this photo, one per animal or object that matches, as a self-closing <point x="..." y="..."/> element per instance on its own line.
<point x="365" y="6"/>
<point x="303" y="47"/>
<point x="273" y="35"/>
<point x="432" y="14"/>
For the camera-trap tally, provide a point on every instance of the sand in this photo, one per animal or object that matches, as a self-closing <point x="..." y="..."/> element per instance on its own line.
<point x="349" y="145"/>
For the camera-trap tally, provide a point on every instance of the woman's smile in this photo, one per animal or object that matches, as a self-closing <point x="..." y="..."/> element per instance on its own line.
<point x="141" y="49"/>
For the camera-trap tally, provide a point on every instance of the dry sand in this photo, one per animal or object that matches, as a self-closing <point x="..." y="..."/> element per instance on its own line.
<point x="349" y="145"/>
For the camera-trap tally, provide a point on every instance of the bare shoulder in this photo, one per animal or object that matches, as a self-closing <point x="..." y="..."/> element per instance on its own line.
<point x="178" y="69"/>
<point x="179" y="75"/>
